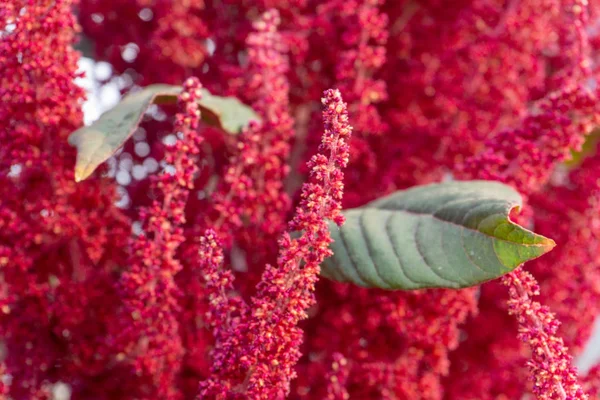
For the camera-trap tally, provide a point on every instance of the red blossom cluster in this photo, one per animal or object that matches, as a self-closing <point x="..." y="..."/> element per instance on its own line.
<point x="524" y="156"/>
<point x="252" y="187"/>
<point x="61" y="243"/>
<point x="550" y="364"/>
<point x="184" y="290"/>
<point x="256" y="357"/>
<point x="146" y="334"/>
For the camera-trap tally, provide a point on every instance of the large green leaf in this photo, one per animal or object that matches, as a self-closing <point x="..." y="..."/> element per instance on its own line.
<point x="97" y="142"/>
<point x="448" y="235"/>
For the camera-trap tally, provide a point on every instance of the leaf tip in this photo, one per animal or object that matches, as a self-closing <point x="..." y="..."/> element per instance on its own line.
<point x="548" y="244"/>
<point x="82" y="173"/>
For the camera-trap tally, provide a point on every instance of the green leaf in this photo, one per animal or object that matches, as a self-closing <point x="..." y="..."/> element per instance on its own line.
<point x="588" y="149"/>
<point x="228" y="113"/>
<point x="97" y="142"/>
<point x="448" y="235"/>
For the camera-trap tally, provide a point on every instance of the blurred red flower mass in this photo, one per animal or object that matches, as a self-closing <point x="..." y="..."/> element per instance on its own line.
<point x="201" y="280"/>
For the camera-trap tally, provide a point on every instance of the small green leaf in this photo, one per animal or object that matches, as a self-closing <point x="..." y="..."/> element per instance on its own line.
<point x="97" y="142"/>
<point x="588" y="149"/>
<point x="228" y="113"/>
<point x="448" y="235"/>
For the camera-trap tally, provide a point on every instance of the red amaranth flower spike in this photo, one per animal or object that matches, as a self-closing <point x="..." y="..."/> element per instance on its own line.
<point x="263" y="349"/>
<point x="225" y="309"/>
<point x="59" y="241"/>
<point x="148" y="335"/>
<point x="551" y="365"/>
<point x="252" y="185"/>
<point x="286" y="291"/>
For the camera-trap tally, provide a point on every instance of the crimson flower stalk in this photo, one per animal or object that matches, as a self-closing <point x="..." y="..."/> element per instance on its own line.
<point x="261" y="351"/>
<point x="59" y="241"/>
<point x="550" y="365"/>
<point x="225" y="308"/>
<point x="252" y="185"/>
<point x="148" y="333"/>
